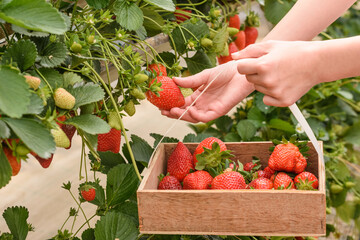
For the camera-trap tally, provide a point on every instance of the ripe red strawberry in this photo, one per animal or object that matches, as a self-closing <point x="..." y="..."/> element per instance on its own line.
<point x="288" y="158"/>
<point x="182" y="15"/>
<point x="180" y="162"/>
<point x="14" y="163"/>
<point x="229" y="180"/>
<point x="197" y="180"/>
<point x="88" y="193"/>
<point x="251" y="34"/>
<point x="240" y="40"/>
<point x="248" y="166"/>
<point x="228" y="58"/>
<point x="283" y="181"/>
<point x="159" y="69"/>
<point x="34" y="82"/>
<point x="261" y="183"/>
<point x="109" y="141"/>
<point x="44" y="162"/>
<point x="207" y="143"/>
<point x="63" y="99"/>
<point x="169" y="183"/>
<point x="306" y="181"/>
<point x="170" y="96"/>
<point x="234" y="21"/>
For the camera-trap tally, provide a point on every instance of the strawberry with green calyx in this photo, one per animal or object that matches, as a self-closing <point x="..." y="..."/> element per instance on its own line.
<point x="234" y="21"/>
<point x="169" y="97"/>
<point x="207" y="157"/>
<point x="206" y="42"/>
<point x="109" y="141"/>
<point x="88" y="192"/>
<point x="129" y="108"/>
<point x="169" y="183"/>
<point x="137" y="93"/>
<point x="253" y="165"/>
<point x="240" y="40"/>
<point x="140" y="78"/>
<point x="287" y="157"/>
<point x="306" y="181"/>
<point x="261" y="183"/>
<point x="282" y="181"/>
<point x="157" y="68"/>
<point x="180" y="162"/>
<point x="197" y="180"/>
<point x="63" y="99"/>
<point x="229" y="180"/>
<point x="15" y="163"/>
<point x="251" y="24"/>
<point x="76" y="47"/>
<point x="34" y="82"/>
<point x="60" y="138"/>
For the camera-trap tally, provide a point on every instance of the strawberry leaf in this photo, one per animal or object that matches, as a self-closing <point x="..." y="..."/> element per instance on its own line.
<point x="158" y="137"/>
<point x="246" y="130"/>
<point x="199" y="62"/>
<point x="130" y="209"/>
<point x="115" y="225"/>
<point x="220" y="40"/>
<point x="141" y="149"/>
<point x="281" y="125"/>
<point x="71" y="78"/>
<point x="122" y="183"/>
<point x="36" y="105"/>
<point x="16" y="219"/>
<point x="276" y="10"/>
<point x="153" y="22"/>
<point x="108" y="160"/>
<point x="5" y="170"/>
<point x="88" y="234"/>
<point x="259" y="103"/>
<point x="50" y="54"/>
<point x="37" y="15"/>
<point x="4" y="131"/>
<point x="164" y="4"/>
<point x="128" y="14"/>
<point x="23" y="53"/>
<point x="89" y="123"/>
<point x="98" y="4"/>
<point x="14" y="92"/>
<point x="86" y="93"/>
<point x="52" y="76"/>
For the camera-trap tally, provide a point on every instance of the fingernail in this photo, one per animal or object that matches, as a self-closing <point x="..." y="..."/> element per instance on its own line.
<point x="234" y="54"/>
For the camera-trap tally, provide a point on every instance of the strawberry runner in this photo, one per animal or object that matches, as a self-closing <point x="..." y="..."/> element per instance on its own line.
<point x="293" y="108"/>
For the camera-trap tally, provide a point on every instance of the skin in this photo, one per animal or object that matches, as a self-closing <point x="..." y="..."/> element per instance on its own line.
<point x="232" y="87"/>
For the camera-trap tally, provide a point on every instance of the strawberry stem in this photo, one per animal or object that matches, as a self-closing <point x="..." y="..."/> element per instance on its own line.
<point x="79" y="205"/>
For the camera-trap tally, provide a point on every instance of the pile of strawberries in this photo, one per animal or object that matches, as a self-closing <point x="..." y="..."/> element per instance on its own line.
<point x="210" y="167"/>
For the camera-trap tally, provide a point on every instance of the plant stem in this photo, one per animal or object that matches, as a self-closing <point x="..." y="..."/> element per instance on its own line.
<point x="86" y="222"/>
<point x="67" y="219"/>
<point x="79" y="204"/>
<point x="47" y="83"/>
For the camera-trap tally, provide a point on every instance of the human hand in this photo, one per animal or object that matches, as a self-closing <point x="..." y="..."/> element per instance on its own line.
<point x="221" y="96"/>
<point x="284" y="71"/>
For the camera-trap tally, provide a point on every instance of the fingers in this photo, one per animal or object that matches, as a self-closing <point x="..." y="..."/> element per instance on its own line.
<point x="193" y="81"/>
<point x="251" y="51"/>
<point x="271" y="101"/>
<point x="248" y="66"/>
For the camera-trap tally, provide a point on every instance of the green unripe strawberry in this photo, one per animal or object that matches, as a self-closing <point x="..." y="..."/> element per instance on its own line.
<point x="60" y="138"/>
<point x="232" y="31"/>
<point x="328" y="210"/>
<point x="22" y="150"/>
<point x="129" y="108"/>
<point x="186" y="91"/>
<point x="226" y="51"/>
<point x="212" y="34"/>
<point x="113" y="120"/>
<point x="140" y="78"/>
<point x="357" y="200"/>
<point x="349" y="184"/>
<point x="34" y="82"/>
<point x="90" y="39"/>
<point x="63" y="99"/>
<point x="191" y="45"/>
<point x="206" y="42"/>
<point x="217" y="12"/>
<point x="76" y="47"/>
<point x="138" y="94"/>
<point x="336" y="188"/>
<point x="53" y="38"/>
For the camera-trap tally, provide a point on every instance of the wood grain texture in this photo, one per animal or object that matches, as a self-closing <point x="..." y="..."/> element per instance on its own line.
<point x="232" y="212"/>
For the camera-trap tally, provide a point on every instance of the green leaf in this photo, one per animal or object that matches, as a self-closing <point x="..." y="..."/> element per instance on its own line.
<point x="199" y="62"/>
<point x="192" y="30"/>
<point x="37" y="15"/>
<point x="196" y="138"/>
<point x="5" y="170"/>
<point x="130" y="209"/>
<point x="224" y="123"/>
<point x="52" y="55"/>
<point x="338" y="199"/>
<point x="89" y="123"/>
<point x="255" y="114"/>
<point x="122" y="183"/>
<point x="164" y="4"/>
<point x="141" y="149"/>
<point x="88" y="234"/>
<point x="232" y="137"/>
<point x="168" y="57"/>
<point x="152" y="22"/>
<point x="52" y="76"/>
<point x="220" y="40"/>
<point x="158" y="137"/>
<point x="261" y="105"/>
<point x="98" y="4"/>
<point x="141" y="33"/>
<point x="276" y="10"/>
<point x="115" y="225"/>
<point x="86" y="93"/>
<point x="22" y="52"/>
<point x="108" y="160"/>
<point x="340" y="170"/>
<point x="352" y="135"/>
<point x="281" y="125"/>
<point x="27" y="32"/>
<point x="4" y="130"/>
<point x="246" y="129"/>
<point x="128" y="14"/>
<point x="35" y="135"/>
<point x="16" y="219"/>
<point x="36" y="105"/>
<point x="14" y="92"/>
<point x="71" y="78"/>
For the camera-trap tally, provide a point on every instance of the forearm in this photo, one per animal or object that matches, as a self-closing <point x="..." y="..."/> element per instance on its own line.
<point x="338" y="59"/>
<point x="308" y="18"/>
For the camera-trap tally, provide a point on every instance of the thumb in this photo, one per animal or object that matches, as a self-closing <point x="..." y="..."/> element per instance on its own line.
<point x="193" y="81"/>
<point x="252" y="51"/>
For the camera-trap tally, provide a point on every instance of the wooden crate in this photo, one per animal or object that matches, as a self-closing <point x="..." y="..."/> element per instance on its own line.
<point x="232" y="212"/>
